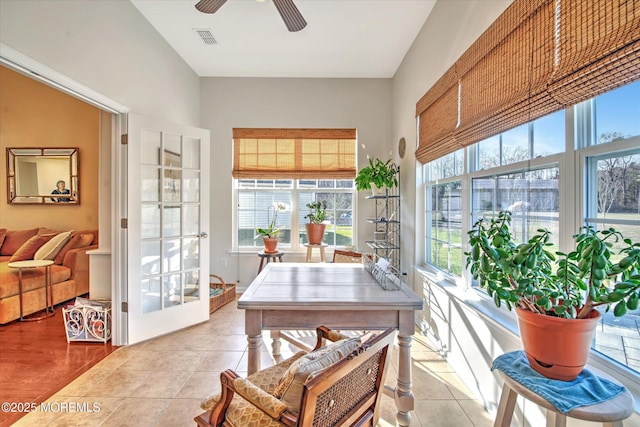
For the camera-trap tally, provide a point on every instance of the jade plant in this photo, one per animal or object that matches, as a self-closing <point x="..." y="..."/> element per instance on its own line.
<point x="569" y="285"/>
<point x="378" y="173"/>
<point x="317" y="211"/>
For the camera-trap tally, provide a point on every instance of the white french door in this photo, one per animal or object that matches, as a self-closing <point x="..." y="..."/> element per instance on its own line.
<point x="167" y="226"/>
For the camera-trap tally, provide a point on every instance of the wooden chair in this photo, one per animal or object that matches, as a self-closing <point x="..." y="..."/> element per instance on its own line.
<point x="345" y="393"/>
<point x="347" y="256"/>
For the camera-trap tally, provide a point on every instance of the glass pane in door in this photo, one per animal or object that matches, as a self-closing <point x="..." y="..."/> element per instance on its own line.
<point x="170" y="220"/>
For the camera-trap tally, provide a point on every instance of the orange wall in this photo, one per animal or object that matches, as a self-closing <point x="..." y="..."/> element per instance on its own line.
<point x="35" y="115"/>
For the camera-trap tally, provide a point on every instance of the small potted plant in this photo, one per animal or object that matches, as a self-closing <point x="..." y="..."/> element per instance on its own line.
<point x="379" y="174"/>
<point x="270" y="234"/>
<point x="556" y="307"/>
<point x="316" y="226"/>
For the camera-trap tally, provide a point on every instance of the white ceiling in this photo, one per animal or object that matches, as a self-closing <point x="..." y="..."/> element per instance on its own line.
<point x="343" y="38"/>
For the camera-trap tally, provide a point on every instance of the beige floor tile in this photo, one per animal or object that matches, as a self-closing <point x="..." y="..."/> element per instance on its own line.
<point x="144" y="360"/>
<point x="84" y="383"/>
<point x="456" y="386"/>
<point x="231" y="343"/>
<point x="180" y="412"/>
<point x="119" y="383"/>
<point x="476" y="412"/>
<point x="428" y="386"/>
<point x="181" y="360"/>
<point x="441" y="413"/>
<point x="162" y="384"/>
<point x="114" y="360"/>
<point x="200" y="385"/>
<point x="137" y="412"/>
<point x="220" y="360"/>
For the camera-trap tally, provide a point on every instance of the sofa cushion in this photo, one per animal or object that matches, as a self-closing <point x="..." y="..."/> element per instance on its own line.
<point x="30" y="247"/>
<point x="289" y="390"/>
<point x="32" y="278"/>
<point x="3" y="233"/>
<point x="16" y="238"/>
<point x="50" y="249"/>
<point x="77" y="241"/>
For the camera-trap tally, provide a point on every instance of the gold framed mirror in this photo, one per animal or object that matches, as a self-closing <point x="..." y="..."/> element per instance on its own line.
<point x="43" y="176"/>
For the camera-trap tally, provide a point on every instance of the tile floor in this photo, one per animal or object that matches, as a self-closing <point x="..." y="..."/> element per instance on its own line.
<point x="161" y="382"/>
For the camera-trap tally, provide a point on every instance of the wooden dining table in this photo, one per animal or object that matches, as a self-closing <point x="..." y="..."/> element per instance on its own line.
<point x="293" y="296"/>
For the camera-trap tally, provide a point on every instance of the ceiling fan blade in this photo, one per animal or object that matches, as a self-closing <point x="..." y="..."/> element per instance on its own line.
<point x="290" y="15"/>
<point x="210" y="6"/>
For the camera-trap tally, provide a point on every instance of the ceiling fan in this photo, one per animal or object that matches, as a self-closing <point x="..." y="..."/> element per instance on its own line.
<point x="288" y="11"/>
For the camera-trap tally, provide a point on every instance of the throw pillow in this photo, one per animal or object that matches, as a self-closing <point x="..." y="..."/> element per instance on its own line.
<point x="16" y="238"/>
<point x="77" y="241"/>
<point x="50" y="249"/>
<point x="29" y="248"/>
<point x="3" y="233"/>
<point x="289" y="389"/>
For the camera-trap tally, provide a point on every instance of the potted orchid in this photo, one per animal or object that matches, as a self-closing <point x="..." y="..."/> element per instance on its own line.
<point x="270" y="233"/>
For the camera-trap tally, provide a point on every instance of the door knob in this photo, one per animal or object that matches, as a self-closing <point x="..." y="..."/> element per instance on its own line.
<point x="203" y="235"/>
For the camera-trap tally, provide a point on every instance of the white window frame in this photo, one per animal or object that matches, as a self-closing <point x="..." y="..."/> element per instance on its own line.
<point x="294" y="191"/>
<point x="572" y="214"/>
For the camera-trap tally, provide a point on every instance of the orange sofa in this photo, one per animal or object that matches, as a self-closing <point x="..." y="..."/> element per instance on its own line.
<point x="70" y="273"/>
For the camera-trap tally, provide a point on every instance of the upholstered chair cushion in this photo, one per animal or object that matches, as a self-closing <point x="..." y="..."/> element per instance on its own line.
<point x="29" y="248"/>
<point x="267" y="379"/>
<point x="260" y="398"/>
<point x="290" y="387"/>
<point x="50" y="249"/>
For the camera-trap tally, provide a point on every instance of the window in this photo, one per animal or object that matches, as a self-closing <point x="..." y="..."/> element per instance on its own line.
<point x="528" y="171"/>
<point x="443" y="213"/>
<point x="531" y="196"/>
<point x="607" y="139"/>
<point x="256" y="198"/>
<point x="540" y="138"/>
<point x="293" y="167"/>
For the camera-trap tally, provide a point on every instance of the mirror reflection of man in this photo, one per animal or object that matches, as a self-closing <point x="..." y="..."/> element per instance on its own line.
<point x="60" y="189"/>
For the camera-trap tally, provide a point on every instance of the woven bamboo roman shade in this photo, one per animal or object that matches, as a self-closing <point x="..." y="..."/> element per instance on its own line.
<point x="538" y="57"/>
<point x="294" y="153"/>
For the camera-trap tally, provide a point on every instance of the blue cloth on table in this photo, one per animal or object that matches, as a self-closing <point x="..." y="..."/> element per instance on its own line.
<point x="587" y="389"/>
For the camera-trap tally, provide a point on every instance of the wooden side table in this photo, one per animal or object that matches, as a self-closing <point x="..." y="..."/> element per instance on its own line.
<point x="310" y="248"/>
<point x="48" y="294"/>
<point x="610" y="412"/>
<point x="268" y="256"/>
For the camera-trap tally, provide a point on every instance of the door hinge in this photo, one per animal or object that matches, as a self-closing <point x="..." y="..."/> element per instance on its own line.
<point x="125" y="307"/>
<point x="124" y="139"/>
<point x="124" y="223"/>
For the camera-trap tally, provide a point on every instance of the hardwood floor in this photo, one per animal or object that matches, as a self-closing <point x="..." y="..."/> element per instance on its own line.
<point x="36" y="361"/>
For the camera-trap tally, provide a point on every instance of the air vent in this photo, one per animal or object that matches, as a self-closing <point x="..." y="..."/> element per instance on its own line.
<point x="205" y="35"/>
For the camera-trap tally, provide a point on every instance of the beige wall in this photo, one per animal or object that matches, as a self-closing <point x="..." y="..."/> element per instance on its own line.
<point x="363" y="104"/>
<point x="35" y="115"/>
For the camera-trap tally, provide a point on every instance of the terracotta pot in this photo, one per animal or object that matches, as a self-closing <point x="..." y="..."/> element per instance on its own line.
<point x="315" y="233"/>
<point x="270" y="244"/>
<point x="555" y="347"/>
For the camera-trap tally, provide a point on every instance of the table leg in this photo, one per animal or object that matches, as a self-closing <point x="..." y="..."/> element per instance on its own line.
<point x="253" y="329"/>
<point x="261" y="264"/>
<point x="20" y="292"/>
<point x="48" y="292"/>
<point x="403" y="395"/>
<point x="275" y="345"/>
